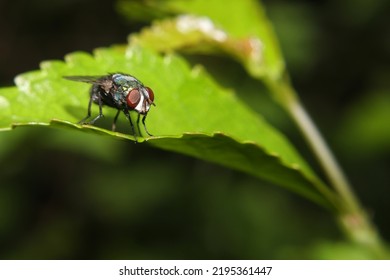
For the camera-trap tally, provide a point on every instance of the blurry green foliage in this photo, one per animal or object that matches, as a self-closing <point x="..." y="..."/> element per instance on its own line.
<point x="136" y="202"/>
<point x="367" y="122"/>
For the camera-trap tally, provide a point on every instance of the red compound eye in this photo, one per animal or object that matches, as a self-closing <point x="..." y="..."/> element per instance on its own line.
<point x="151" y="93"/>
<point x="133" y="98"/>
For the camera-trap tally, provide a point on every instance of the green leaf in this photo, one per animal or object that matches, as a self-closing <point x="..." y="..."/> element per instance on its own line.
<point x="194" y="115"/>
<point x="240" y="27"/>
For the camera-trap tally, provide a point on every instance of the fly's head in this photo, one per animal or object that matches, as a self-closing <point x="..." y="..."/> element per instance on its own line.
<point x="140" y="99"/>
<point x="131" y="91"/>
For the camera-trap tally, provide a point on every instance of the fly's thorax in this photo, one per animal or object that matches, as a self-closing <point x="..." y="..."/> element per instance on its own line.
<point x="119" y="100"/>
<point x="125" y="82"/>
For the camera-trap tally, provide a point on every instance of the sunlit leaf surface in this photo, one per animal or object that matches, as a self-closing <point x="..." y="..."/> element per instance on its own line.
<point x="240" y="28"/>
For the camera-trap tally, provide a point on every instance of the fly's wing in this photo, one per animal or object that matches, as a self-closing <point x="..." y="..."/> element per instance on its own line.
<point x="96" y="80"/>
<point x="104" y="82"/>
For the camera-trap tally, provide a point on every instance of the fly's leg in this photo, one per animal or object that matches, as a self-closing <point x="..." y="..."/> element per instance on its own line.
<point x="143" y="122"/>
<point x="88" y="112"/>
<point x="95" y="97"/>
<point x="100" y="112"/>
<point x="115" y="119"/>
<point x="131" y="123"/>
<point x="139" y="129"/>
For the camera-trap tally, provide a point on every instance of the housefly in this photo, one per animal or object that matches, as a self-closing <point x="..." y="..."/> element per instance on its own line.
<point x="120" y="91"/>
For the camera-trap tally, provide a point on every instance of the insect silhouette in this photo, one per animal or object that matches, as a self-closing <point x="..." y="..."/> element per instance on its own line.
<point x="120" y="91"/>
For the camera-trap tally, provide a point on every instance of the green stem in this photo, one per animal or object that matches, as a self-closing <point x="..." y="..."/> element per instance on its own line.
<point x="353" y="218"/>
<point x="324" y="155"/>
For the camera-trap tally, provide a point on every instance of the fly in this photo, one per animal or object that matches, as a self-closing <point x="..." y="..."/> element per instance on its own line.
<point x="120" y="91"/>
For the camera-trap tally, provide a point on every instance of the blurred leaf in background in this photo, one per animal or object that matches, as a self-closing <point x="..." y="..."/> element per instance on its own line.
<point x="82" y="203"/>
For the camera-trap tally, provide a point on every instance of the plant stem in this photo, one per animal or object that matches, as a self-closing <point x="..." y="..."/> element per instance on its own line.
<point x="324" y="155"/>
<point x="353" y="218"/>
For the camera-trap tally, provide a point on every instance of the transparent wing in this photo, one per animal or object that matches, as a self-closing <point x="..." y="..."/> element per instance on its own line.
<point x="97" y="80"/>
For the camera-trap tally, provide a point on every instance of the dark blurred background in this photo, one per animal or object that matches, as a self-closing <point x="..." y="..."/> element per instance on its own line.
<point x="71" y="195"/>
